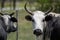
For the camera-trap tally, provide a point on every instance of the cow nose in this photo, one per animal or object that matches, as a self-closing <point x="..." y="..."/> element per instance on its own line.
<point x="37" y="32"/>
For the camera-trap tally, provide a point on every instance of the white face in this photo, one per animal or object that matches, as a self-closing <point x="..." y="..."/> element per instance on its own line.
<point x="7" y="20"/>
<point x="38" y="20"/>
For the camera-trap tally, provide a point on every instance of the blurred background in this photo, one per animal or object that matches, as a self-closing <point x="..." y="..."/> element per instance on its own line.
<point x="25" y="27"/>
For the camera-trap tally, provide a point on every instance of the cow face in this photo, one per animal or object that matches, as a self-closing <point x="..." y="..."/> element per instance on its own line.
<point x="37" y="18"/>
<point x="37" y="21"/>
<point x="9" y="22"/>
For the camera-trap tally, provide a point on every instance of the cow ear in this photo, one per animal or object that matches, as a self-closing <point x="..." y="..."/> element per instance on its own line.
<point x="13" y="19"/>
<point x="48" y="18"/>
<point x="28" y="17"/>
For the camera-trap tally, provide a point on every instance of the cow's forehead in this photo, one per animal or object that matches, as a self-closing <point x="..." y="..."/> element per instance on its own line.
<point x="6" y="16"/>
<point x="38" y="14"/>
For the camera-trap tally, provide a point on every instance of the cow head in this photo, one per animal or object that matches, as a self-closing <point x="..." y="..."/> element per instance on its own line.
<point x="9" y="21"/>
<point x="38" y="18"/>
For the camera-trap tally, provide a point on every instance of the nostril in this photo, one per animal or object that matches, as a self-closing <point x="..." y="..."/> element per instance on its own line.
<point x="37" y="32"/>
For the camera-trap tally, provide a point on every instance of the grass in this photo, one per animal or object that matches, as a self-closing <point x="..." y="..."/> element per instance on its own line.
<point x="24" y="28"/>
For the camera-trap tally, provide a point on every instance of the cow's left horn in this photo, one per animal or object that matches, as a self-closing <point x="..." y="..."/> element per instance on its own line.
<point x="12" y="14"/>
<point x="51" y="8"/>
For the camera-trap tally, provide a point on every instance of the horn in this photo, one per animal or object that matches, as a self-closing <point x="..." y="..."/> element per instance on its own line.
<point x="1" y="13"/>
<point x="27" y="9"/>
<point x="51" y="9"/>
<point x="12" y="14"/>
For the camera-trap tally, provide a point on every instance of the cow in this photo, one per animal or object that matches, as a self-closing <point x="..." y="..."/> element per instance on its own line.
<point x="7" y="25"/>
<point x="53" y="28"/>
<point x="38" y="19"/>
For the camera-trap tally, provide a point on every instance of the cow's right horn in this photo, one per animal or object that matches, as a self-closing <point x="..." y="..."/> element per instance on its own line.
<point x="27" y="9"/>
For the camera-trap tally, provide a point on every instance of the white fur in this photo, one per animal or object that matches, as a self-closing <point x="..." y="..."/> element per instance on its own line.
<point x="6" y="18"/>
<point x="14" y="25"/>
<point x="38" y="18"/>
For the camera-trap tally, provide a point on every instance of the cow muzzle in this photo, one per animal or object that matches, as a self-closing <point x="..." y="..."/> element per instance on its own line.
<point x="37" y="32"/>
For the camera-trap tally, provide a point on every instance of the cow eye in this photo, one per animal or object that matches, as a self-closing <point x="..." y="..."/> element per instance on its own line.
<point x="43" y="20"/>
<point x="32" y="20"/>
